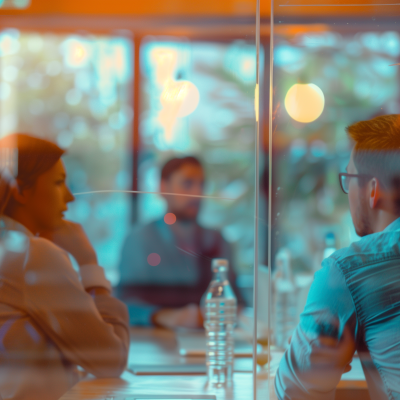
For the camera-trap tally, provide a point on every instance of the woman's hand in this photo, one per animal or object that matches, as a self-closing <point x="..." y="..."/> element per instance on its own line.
<point x="72" y="238"/>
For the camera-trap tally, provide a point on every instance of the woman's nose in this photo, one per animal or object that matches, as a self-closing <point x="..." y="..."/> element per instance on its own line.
<point x="70" y="196"/>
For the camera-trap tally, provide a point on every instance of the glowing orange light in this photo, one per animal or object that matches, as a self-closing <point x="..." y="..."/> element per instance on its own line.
<point x="153" y="259"/>
<point x="304" y="102"/>
<point x="7" y="44"/>
<point x="248" y="65"/>
<point x="119" y="60"/>
<point x="165" y="61"/>
<point x="170" y="218"/>
<point x="179" y="99"/>
<point x="78" y="53"/>
<point x="182" y="96"/>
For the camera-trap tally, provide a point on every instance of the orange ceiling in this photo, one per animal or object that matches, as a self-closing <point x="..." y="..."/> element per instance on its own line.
<point x="180" y="8"/>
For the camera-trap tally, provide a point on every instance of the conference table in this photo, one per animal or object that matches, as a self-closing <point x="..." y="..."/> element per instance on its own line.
<point x="156" y="346"/>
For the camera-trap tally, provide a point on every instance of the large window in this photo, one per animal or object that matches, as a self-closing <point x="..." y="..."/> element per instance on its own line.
<point x="216" y="124"/>
<point x="76" y="91"/>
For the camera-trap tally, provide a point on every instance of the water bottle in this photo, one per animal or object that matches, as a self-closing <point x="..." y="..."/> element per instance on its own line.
<point x="330" y="245"/>
<point x="284" y="299"/>
<point x="220" y="307"/>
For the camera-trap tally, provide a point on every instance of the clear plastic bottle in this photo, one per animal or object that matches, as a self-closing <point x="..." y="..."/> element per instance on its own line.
<point x="330" y="245"/>
<point x="284" y="299"/>
<point x="220" y="308"/>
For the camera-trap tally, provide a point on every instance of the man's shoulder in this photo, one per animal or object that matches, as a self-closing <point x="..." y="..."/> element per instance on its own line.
<point x="371" y="249"/>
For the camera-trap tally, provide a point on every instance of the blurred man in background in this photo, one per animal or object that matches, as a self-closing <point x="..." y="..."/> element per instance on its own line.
<point x="354" y="301"/>
<point x="165" y="266"/>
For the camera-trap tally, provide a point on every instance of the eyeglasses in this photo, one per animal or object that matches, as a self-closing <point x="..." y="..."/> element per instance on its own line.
<point x="344" y="180"/>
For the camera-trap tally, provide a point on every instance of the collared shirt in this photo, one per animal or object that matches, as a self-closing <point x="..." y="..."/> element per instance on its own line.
<point x="49" y="324"/>
<point x="356" y="293"/>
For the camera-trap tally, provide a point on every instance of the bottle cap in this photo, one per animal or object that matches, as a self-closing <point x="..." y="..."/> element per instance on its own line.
<point x="219" y="264"/>
<point x="330" y="239"/>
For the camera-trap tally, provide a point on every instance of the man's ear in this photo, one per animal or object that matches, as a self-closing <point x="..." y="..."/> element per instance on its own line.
<point x="374" y="193"/>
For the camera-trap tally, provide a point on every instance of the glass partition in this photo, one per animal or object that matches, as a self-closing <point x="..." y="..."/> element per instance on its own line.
<point x="156" y="120"/>
<point x="333" y="64"/>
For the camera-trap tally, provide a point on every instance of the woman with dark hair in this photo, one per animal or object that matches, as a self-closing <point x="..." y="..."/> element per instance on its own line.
<point x="52" y="319"/>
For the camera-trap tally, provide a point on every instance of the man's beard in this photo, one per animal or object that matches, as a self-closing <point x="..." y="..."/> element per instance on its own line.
<point x="363" y="227"/>
<point x="185" y="216"/>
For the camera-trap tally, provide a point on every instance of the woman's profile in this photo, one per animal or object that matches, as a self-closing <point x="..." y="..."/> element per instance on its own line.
<point x="52" y="319"/>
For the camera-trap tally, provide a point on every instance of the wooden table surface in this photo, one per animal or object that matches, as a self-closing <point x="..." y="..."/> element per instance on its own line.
<point x="152" y="346"/>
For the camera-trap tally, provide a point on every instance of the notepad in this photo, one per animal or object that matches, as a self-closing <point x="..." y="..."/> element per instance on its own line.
<point x="179" y="369"/>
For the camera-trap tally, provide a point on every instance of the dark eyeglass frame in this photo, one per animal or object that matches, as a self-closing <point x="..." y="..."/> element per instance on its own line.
<point x="346" y="175"/>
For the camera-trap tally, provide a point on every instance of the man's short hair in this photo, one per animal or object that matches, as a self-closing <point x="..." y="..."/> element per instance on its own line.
<point x="176" y="163"/>
<point x="377" y="149"/>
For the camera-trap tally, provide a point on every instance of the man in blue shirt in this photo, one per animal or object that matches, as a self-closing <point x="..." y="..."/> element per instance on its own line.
<point x="354" y="301"/>
<point x="165" y="265"/>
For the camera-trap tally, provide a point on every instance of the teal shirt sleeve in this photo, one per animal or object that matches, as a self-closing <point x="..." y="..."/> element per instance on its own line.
<point x="313" y="364"/>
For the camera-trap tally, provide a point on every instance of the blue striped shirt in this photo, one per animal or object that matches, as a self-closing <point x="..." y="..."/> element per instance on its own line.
<point x="357" y="290"/>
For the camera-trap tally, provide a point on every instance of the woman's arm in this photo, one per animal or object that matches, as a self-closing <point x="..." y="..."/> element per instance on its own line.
<point x="89" y="330"/>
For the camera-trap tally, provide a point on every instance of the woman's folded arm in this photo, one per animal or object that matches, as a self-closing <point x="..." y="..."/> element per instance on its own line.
<point x="89" y="330"/>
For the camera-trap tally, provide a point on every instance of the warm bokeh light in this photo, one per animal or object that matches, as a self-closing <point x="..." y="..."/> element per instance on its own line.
<point x="153" y="259"/>
<point x="76" y="53"/>
<point x="248" y="65"/>
<point x="304" y="102"/>
<point x="165" y="61"/>
<point x="170" y="218"/>
<point x="181" y="96"/>
<point x="79" y="53"/>
<point x="179" y="99"/>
